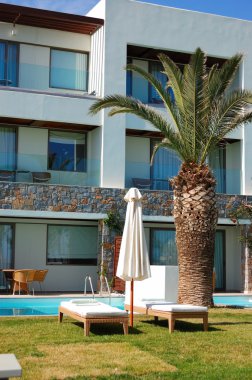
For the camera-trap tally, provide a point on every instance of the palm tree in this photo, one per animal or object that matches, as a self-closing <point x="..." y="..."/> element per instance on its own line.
<point x="205" y="110"/>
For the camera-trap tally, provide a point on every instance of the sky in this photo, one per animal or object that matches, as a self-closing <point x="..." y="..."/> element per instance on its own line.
<point x="232" y="8"/>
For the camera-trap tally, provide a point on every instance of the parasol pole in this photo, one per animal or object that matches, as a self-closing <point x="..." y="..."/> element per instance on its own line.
<point x="131" y="301"/>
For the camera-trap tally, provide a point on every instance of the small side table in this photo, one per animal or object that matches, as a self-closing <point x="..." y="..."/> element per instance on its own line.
<point x="9" y="366"/>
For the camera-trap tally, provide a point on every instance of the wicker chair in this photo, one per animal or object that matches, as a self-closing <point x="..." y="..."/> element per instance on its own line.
<point x="22" y="279"/>
<point x="39" y="276"/>
<point x="142" y="183"/>
<point x="41" y="176"/>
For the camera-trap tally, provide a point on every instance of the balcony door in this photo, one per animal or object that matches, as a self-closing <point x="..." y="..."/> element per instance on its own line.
<point x="6" y="251"/>
<point x="217" y="162"/>
<point x="8" y="64"/>
<point x="165" y="166"/>
<point x="7" y="148"/>
<point x="219" y="260"/>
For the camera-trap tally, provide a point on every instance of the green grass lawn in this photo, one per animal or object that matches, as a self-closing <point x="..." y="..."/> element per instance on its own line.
<point x="48" y="350"/>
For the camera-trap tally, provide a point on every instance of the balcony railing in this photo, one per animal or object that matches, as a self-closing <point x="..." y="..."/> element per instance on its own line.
<point x="141" y="174"/>
<point x="41" y="78"/>
<point x="32" y="168"/>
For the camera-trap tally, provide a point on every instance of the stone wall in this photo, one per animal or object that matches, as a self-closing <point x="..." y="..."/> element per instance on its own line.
<point x="57" y="198"/>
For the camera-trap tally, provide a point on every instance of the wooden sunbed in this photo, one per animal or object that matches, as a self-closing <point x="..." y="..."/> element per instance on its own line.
<point x="100" y="314"/>
<point x="171" y="312"/>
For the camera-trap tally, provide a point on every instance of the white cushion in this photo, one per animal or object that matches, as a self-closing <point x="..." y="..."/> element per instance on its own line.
<point x="149" y="303"/>
<point x="179" y="308"/>
<point x="98" y="310"/>
<point x="84" y="301"/>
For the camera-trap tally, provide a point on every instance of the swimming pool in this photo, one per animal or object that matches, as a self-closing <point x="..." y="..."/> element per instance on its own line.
<point x="45" y="305"/>
<point x="238" y="301"/>
<point x="49" y="305"/>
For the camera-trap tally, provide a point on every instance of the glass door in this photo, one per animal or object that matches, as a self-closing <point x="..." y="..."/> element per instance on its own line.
<point x="219" y="260"/>
<point x="165" y="166"/>
<point x="6" y="251"/>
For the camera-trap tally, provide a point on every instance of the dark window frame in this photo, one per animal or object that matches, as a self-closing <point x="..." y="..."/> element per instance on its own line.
<point x="85" y="150"/>
<point x="88" y="261"/>
<point x="223" y="232"/>
<point x="69" y="51"/>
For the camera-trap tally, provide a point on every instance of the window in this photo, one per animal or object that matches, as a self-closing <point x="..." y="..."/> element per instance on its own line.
<point x="166" y="165"/>
<point x="7" y="148"/>
<point x="8" y="64"/>
<point x="67" y="151"/>
<point x="164" y="252"/>
<point x="68" y="70"/>
<point x="163" y="247"/>
<point x="139" y="88"/>
<point x="156" y="69"/>
<point x="72" y="245"/>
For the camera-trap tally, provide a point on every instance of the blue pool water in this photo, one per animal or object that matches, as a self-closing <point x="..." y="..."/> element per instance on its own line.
<point x="240" y="301"/>
<point x="45" y="305"/>
<point x="49" y="305"/>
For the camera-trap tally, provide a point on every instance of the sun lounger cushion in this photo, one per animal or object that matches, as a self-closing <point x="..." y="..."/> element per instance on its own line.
<point x="93" y="310"/>
<point x="149" y="303"/>
<point x="84" y="301"/>
<point x="179" y="308"/>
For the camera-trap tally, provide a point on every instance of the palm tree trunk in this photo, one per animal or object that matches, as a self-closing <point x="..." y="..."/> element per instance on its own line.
<point x="195" y="216"/>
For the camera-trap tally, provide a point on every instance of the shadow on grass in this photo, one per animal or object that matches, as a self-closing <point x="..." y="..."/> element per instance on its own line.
<point x="108" y="329"/>
<point x="181" y="325"/>
<point x="111" y="377"/>
<point x="231" y="323"/>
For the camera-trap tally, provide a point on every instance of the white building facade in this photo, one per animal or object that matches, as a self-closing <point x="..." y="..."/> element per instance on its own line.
<point x="53" y="66"/>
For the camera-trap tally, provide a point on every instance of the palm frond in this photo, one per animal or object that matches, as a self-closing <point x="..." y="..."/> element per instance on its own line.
<point x="165" y="143"/>
<point x="221" y="79"/>
<point x="125" y="104"/>
<point x="175" y="79"/>
<point x="164" y="95"/>
<point x="204" y="111"/>
<point x="194" y="97"/>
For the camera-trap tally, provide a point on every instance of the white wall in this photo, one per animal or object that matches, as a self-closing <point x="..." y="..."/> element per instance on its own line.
<point x="46" y="37"/>
<point x="32" y="149"/>
<point x="96" y="62"/>
<point x="142" y="24"/>
<point x="46" y="107"/>
<point x="34" y="67"/>
<point x="32" y="255"/>
<point x="162" y="285"/>
<point x="94" y="157"/>
<point x="233" y="165"/>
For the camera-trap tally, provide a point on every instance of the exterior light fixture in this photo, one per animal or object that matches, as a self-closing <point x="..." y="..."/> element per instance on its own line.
<point x="14" y="30"/>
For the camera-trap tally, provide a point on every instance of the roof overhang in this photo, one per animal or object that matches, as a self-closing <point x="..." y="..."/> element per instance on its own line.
<point x="18" y="122"/>
<point x="41" y="18"/>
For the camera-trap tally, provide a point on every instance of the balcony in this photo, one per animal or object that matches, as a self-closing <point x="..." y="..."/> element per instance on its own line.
<point x="29" y="164"/>
<point x="142" y="175"/>
<point x="34" y="94"/>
